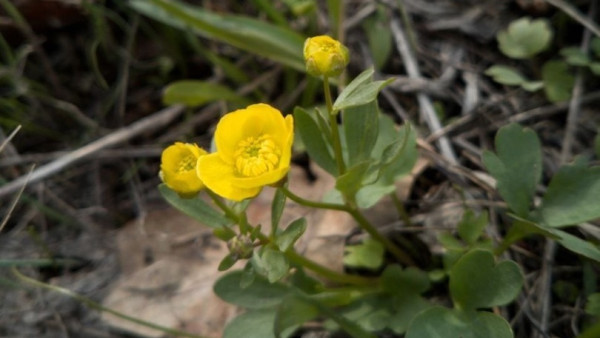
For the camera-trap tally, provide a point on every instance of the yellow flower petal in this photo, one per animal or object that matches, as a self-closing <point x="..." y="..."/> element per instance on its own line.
<point x="178" y="168"/>
<point x="254" y="147"/>
<point x="218" y="175"/>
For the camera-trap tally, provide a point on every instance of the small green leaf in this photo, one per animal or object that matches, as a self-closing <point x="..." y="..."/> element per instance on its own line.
<point x="440" y="322"/>
<point x="398" y="281"/>
<point x="290" y="235"/>
<point x="532" y="86"/>
<point x="525" y="38"/>
<point x="572" y="196"/>
<point x="196" y="93"/>
<point x="274" y="263"/>
<point x="476" y="281"/>
<point x="506" y="75"/>
<point x="314" y="140"/>
<point x="277" y="207"/>
<point x="361" y="128"/>
<point x="252" y="324"/>
<point x="592" y="306"/>
<point x="349" y="183"/>
<point x="575" y="56"/>
<point x="196" y="208"/>
<point x="368" y="254"/>
<point x="224" y="233"/>
<point x="521" y="229"/>
<point x="558" y="82"/>
<point x="450" y="242"/>
<point x="471" y="226"/>
<point x="293" y="312"/>
<point x="379" y="36"/>
<point x="517" y="167"/>
<point x="576" y="244"/>
<point x="595" y="68"/>
<point x="257" y="295"/>
<point x="360" y="91"/>
<point x="227" y="262"/>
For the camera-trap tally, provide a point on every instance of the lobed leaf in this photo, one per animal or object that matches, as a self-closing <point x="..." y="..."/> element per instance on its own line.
<point x="361" y="128"/>
<point x="314" y="140"/>
<point x="525" y="38"/>
<point x="517" y="166"/>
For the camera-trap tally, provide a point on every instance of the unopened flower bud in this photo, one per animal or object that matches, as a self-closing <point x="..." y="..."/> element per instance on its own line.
<point x="240" y="247"/>
<point x="325" y="56"/>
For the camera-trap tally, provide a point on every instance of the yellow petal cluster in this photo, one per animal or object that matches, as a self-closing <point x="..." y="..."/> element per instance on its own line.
<point x="325" y="56"/>
<point x="178" y="168"/>
<point x="253" y="149"/>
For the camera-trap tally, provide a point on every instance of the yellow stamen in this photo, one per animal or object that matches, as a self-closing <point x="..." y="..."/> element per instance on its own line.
<point x="256" y="155"/>
<point x="187" y="163"/>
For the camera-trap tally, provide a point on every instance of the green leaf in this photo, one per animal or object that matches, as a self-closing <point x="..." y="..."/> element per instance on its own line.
<point x="349" y="183"/>
<point x="525" y="38"/>
<point x="227" y="262"/>
<point x="595" y="68"/>
<point x="440" y="322"/>
<point x="258" y="37"/>
<point x="472" y="226"/>
<point x="224" y="233"/>
<point x="592" y="306"/>
<point x="293" y="312"/>
<point x="521" y="229"/>
<point x="196" y="208"/>
<point x="505" y="75"/>
<point x="272" y="263"/>
<point x="277" y="207"/>
<point x="196" y="93"/>
<point x="517" y="167"/>
<point x="252" y="324"/>
<point x="360" y="91"/>
<point x="575" y="56"/>
<point x="368" y="254"/>
<point x="558" y="82"/>
<point x="532" y="86"/>
<point x="398" y="281"/>
<point x="290" y="235"/>
<point x="361" y="127"/>
<point x="259" y="294"/>
<point x="572" y="196"/>
<point x="379" y="36"/>
<point x="476" y="281"/>
<point x="314" y="140"/>
<point x="576" y="244"/>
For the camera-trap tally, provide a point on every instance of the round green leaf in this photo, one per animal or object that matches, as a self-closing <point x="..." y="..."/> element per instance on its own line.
<point x="558" y="82"/>
<point x="525" y="38"/>
<point x="439" y="322"/>
<point x="476" y="281"/>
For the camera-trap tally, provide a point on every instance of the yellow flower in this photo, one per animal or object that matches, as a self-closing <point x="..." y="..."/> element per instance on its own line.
<point x="254" y="149"/>
<point x="325" y="56"/>
<point x="178" y="168"/>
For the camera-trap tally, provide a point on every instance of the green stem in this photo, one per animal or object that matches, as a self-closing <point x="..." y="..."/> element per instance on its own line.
<point x="398" y="253"/>
<point x="337" y="144"/>
<point x="227" y="210"/>
<point x="333" y="276"/>
<point x="312" y="204"/>
<point x="90" y="303"/>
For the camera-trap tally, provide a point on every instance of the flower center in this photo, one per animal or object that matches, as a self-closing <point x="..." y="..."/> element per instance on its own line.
<point x="187" y="163"/>
<point x="255" y="156"/>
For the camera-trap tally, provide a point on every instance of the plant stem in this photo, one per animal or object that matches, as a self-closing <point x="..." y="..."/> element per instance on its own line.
<point x="398" y="253"/>
<point x="227" y="210"/>
<point x="337" y="144"/>
<point x="327" y="273"/>
<point x="312" y="204"/>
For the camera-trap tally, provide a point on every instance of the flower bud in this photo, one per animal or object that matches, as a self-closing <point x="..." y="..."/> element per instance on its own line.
<point x="240" y="247"/>
<point x="325" y="56"/>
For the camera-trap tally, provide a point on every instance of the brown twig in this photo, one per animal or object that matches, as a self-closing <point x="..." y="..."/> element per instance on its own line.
<point x="152" y="122"/>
